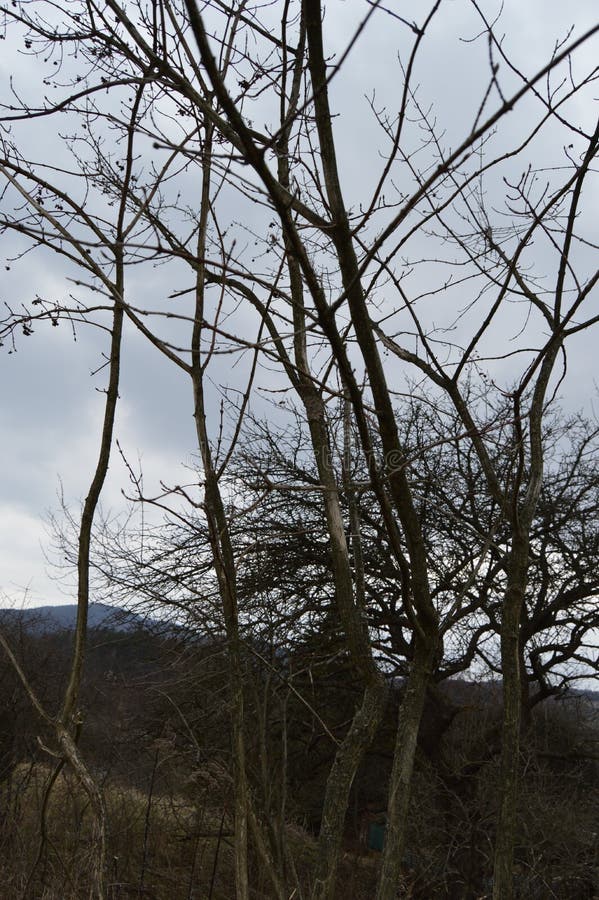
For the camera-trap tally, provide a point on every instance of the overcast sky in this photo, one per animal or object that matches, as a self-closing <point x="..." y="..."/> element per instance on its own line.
<point x="50" y="400"/>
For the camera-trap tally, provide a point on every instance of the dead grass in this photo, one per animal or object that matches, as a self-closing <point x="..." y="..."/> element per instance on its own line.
<point x="166" y="849"/>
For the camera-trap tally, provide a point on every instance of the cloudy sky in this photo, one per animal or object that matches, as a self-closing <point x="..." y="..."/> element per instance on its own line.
<point x="50" y="397"/>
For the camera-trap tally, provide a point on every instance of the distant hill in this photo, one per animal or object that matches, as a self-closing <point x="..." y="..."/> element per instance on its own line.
<point x="40" y="620"/>
<point x="43" y="619"/>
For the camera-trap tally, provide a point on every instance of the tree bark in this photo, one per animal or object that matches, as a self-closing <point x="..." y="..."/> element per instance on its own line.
<point x="512" y="697"/>
<point x="410" y="715"/>
<point x="339" y="782"/>
<point x="221" y="547"/>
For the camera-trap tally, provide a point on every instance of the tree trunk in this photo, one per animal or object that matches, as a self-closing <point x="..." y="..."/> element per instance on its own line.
<point x="512" y="696"/>
<point x="339" y="782"/>
<point x="410" y="714"/>
<point x="221" y="547"/>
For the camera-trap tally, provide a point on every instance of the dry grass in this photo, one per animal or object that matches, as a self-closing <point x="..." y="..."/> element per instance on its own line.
<point x="157" y="850"/>
<point x="165" y="849"/>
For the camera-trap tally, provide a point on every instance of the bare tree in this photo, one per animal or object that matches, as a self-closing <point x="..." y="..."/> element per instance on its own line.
<point x="518" y="502"/>
<point x="339" y="302"/>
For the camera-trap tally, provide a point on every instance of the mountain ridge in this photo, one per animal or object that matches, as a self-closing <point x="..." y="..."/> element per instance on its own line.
<point x="40" y="619"/>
